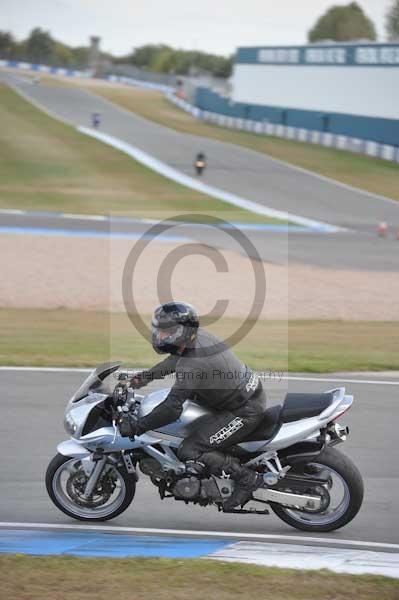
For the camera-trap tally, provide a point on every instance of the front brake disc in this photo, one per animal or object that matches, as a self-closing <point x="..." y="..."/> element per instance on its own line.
<point x="76" y="485"/>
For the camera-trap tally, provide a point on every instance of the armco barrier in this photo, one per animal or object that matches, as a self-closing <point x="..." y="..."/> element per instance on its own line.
<point x="329" y="140"/>
<point x="140" y="83"/>
<point x="25" y="66"/>
<point x="379" y="129"/>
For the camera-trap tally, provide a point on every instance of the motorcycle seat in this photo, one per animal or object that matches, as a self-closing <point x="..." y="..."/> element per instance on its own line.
<point x="294" y="408"/>
<point x="303" y="406"/>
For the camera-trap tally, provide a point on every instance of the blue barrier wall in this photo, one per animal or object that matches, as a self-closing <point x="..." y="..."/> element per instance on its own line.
<point x="384" y="131"/>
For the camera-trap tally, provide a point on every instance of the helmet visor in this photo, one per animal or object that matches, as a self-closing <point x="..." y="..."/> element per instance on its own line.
<point x="162" y="336"/>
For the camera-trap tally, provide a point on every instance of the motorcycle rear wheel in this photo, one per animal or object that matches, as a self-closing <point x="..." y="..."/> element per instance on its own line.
<point x="60" y="485"/>
<point x="344" y="474"/>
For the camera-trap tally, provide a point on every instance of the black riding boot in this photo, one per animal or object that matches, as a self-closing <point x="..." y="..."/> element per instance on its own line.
<point x="246" y="481"/>
<point x="195" y="468"/>
<point x="217" y="463"/>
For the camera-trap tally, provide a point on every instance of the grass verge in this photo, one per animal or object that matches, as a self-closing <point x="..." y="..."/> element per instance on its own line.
<point x="68" y="578"/>
<point x="79" y="339"/>
<point x="374" y="175"/>
<point x="47" y="165"/>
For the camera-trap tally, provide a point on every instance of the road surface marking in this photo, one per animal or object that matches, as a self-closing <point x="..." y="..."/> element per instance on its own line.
<point x="189" y="532"/>
<point x="344" y="379"/>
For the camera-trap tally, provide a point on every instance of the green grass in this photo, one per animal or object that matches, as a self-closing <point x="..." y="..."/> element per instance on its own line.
<point x="69" y="578"/>
<point x="74" y="338"/>
<point x="373" y="175"/>
<point x="47" y="165"/>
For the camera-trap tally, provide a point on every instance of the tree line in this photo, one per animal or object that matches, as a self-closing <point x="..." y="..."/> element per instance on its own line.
<point x="349" y="22"/>
<point x="165" y="59"/>
<point x="341" y="23"/>
<point x="41" y="48"/>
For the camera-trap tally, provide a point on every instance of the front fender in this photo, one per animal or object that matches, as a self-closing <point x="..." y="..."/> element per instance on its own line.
<point x="72" y="448"/>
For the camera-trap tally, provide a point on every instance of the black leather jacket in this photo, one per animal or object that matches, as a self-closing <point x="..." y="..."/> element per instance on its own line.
<point x="209" y="373"/>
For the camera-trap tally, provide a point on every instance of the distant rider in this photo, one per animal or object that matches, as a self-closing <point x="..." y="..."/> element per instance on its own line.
<point x="96" y="119"/>
<point x="200" y="163"/>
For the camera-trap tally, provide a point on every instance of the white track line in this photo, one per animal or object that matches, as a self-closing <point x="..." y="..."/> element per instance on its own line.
<point x="344" y="379"/>
<point x="162" y="168"/>
<point x="36" y="104"/>
<point x="80" y="217"/>
<point x="330" y="180"/>
<point x="356" y="561"/>
<point x="196" y="533"/>
<point x="48" y="369"/>
<point x="12" y="211"/>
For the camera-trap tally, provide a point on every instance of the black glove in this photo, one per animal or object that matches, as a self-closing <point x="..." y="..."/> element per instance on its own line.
<point x="128" y="425"/>
<point x="140" y="379"/>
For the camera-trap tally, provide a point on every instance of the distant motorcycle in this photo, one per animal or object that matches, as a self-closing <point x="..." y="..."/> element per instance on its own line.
<point x="307" y="482"/>
<point x="96" y="120"/>
<point x="200" y="163"/>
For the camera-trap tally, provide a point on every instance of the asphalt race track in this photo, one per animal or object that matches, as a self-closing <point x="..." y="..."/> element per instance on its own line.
<point x="341" y="251"/>
<point x="249" y="174"/>
<point x="33" y="402"/>
<point x="31" y="426"/>
<point x="236" y="169"/>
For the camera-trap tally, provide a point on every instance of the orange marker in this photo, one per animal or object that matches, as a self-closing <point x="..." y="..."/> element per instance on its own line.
<point x="382" y="229"/>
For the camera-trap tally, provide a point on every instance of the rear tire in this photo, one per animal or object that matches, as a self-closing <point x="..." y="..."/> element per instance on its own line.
<point x="349" y="473"/>
<point x="53" y="471"/>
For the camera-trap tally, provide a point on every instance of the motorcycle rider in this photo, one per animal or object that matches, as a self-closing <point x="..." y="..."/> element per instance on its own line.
<point x="209" y="373"/>
<point x="96" y="120"/>
<point x="200" y="162"/>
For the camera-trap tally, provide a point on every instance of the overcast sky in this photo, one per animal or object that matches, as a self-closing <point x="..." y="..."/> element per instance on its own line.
<point x="217" y="26"/>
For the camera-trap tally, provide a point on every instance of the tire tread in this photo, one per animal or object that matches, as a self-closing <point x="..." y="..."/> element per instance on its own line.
<point x="58" y="461"/>
<point x="330" y="457"/>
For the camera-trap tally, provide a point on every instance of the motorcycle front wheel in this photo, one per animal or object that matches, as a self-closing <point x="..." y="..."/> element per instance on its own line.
<point x="343" y="495"/>
<point x="66" y="481"/>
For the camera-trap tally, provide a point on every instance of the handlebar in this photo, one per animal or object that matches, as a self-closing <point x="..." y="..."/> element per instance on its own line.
<point x="123" y="397"/>
<point x="120" y="393"/>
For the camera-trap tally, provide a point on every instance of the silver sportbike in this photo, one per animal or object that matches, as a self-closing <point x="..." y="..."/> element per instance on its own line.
<point x="307" y="482"/>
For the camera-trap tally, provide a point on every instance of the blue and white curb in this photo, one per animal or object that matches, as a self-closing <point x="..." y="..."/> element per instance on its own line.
<point x="348" y="556"/>
<point x="87" y="233"/>
<point x="91" y="543"/>
<point x="115" y="220"/>
<point x="286" y="556"/>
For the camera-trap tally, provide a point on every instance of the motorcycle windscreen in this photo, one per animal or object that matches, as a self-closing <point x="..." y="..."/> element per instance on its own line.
<point x="100" y="380"/>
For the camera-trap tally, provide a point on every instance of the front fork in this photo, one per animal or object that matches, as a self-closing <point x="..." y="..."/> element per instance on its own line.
<point x="94" y="477"/>
<point x="100" y="463"/>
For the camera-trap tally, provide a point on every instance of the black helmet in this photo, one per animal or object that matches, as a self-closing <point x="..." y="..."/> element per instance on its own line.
<point x="174" y="325"/>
